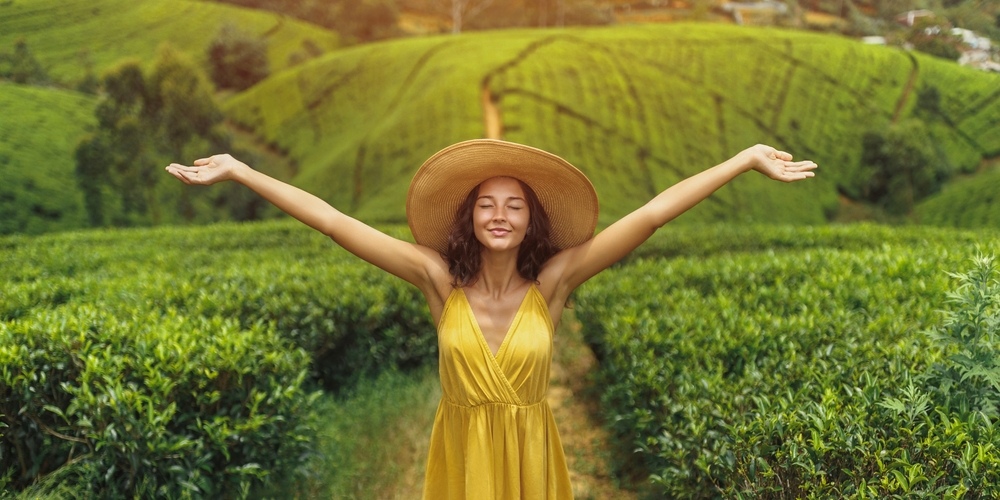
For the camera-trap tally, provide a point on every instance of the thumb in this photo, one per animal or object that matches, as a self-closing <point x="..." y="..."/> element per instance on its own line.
<point x="202" y="161"/>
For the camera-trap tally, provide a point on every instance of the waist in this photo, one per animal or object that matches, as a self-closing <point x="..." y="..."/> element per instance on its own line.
<point x="445" y="401"/>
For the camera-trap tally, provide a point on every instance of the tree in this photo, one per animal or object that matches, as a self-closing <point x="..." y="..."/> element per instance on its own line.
<point x="24" y="68"/>
<point x="464" y="10"/>
<point x="236" y="59"/>
<point x="900" y="167"/>
<point x="142" y="121"/>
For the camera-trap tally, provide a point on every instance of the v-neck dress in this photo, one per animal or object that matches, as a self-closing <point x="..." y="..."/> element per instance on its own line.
<point x="494" y="437"/>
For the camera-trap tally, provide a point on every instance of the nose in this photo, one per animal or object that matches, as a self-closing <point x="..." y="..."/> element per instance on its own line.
<point x="500" y="215"/>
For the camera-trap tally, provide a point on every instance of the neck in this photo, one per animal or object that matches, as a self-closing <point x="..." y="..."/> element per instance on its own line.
<point x="498" y="274"/>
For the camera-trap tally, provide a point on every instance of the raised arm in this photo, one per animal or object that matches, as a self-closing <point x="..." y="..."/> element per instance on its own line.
<point x="416" y="264"/>
<point x="573" y="266"/>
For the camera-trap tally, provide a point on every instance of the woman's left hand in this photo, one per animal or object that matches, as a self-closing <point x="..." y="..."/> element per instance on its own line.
<point x="777" y="165"/>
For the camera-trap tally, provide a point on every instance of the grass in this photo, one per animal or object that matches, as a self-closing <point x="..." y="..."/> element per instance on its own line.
<point x="372" y="441"/>
<point x="637" y="108"/>
<point x="58" y="32"/>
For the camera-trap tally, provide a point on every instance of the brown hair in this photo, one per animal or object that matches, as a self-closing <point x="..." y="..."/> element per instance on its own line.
<point x="464" y="255"/>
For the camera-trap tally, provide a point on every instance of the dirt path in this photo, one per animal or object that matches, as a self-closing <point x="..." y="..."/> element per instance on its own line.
<point x="914" y="73"/>
<point x="492" y="121"/>
<point x="575" y="408"/>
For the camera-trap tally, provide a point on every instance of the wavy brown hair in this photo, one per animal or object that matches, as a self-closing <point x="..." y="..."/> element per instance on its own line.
<point x="464" y="255"/>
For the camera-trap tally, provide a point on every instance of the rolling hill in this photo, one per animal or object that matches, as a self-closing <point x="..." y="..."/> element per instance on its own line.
<point x="59" y="32"/>
<point x="38" y="134"/>
<point x="636" y="108"/>
<point x="40" y="126"/>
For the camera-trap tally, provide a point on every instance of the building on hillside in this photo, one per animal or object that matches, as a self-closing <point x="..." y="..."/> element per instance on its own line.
<point x="977" y="51"/>
<point x="972" y="39"/>
<point x="908" y="18"/>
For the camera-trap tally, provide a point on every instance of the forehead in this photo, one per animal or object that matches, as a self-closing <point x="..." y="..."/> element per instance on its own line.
<point x="501" y="187"/>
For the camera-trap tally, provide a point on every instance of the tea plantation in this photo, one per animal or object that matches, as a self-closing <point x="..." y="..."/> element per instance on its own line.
<point x="774" y="362"/>
<point x="635" y="107"/>
<point x="38" y="193"/>
<point x="801" y="363"/>
<point x="70" y="37"/>
<point x="173" y="362"/>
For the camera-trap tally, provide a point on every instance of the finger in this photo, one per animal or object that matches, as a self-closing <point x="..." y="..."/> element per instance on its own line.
<point x="202" y="161"/>
<point x="183" y="168"/>
<point x="781" y="155"/>
<point x="179" y="176"/>
<point x="790" y="177"/>
<point x="801" y="166"/>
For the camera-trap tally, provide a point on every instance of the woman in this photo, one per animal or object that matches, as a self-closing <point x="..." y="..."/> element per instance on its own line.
<point x="504" y="233"/>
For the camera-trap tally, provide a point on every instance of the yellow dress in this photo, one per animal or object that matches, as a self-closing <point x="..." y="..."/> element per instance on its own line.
<point x="494" y="437"/>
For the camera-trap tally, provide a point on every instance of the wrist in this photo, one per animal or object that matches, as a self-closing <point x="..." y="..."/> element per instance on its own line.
<point x="241" y="172"/>
<point x="743" y="161"/>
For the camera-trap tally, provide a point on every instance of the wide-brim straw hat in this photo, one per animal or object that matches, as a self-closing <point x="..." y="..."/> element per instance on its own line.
<point x="444" y="181"/>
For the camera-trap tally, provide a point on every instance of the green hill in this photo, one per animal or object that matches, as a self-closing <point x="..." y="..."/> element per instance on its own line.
<point x="40" y="127"/>
<point x="57" y="31"/>
<point x="636" y="108"/>
<point x="37" y="138"/>
<point x="971" y="202"/>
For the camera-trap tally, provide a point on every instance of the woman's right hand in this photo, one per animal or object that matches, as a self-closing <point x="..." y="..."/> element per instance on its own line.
<point x="207" y="171"/>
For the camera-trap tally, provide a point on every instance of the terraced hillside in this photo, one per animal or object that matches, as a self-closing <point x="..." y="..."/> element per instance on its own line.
<point x="57" y="31"/>
<point x="39" y="129"/>
<point x="637" y="108"/>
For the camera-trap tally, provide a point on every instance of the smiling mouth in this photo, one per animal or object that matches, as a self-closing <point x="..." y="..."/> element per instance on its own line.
<point x="499" y="231"/>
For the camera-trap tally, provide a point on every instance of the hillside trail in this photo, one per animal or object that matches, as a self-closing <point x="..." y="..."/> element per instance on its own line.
<point x="575" y="405"/>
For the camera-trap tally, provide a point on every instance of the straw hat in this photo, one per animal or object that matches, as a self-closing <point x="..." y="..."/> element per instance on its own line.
<point x="443" y="182"/>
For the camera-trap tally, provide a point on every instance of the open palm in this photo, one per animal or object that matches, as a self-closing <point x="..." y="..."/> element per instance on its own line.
<point x="206" y="171"/>
<point x="778" y="165"/>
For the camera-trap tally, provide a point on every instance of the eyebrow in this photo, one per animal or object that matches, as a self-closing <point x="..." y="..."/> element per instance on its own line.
<point x="489" y="196"/>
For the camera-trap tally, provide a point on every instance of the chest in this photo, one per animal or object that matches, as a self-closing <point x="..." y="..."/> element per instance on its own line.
<point x="494" y="317"/>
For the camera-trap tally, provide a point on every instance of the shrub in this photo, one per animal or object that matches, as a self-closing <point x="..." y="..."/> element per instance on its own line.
<point x="237" y="60"/>
<point x="899" y="166"/>
<point x="144" y="402"/>
<point x="969" y="378"/>
<point x="793" y="371"/>
<point x="181" y="355"/>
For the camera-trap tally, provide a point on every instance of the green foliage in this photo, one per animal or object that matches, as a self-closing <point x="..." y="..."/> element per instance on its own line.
<point x="970" y="202"/>
<point x="786" y="368"/>
<point x="236" y="59"/>
<point x="56" y="30"/>
<point x="152" y="402"/>
<point x="637" y="108"/>
<point x="37" y="193"/>
<point x="932" y="35"/>
<point x="370" y="439"/>
<point x="143" y="120"/>
<point x="900" y="167"/>
<point x="969" y="378"/>
<point x="21" y="66"/>
<point x="180" y="346"/>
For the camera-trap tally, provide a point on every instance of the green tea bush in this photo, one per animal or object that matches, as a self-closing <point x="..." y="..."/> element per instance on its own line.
<point x="147" y="402"/>
<point x="787" y="372"/>
<point x="178" y="361"/>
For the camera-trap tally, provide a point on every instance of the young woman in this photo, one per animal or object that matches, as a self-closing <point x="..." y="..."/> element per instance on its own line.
<point x="504" y="233"/>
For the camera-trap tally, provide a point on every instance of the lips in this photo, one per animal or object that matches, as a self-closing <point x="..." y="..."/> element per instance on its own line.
<point x="498" y="231"/>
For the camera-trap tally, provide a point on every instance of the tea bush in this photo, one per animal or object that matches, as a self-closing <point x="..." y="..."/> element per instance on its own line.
<point x="795" y="371"/>
<point x="179" y="361"/>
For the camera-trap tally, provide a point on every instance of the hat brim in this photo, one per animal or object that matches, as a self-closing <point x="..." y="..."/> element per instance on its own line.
<point x="443" y="182"/>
